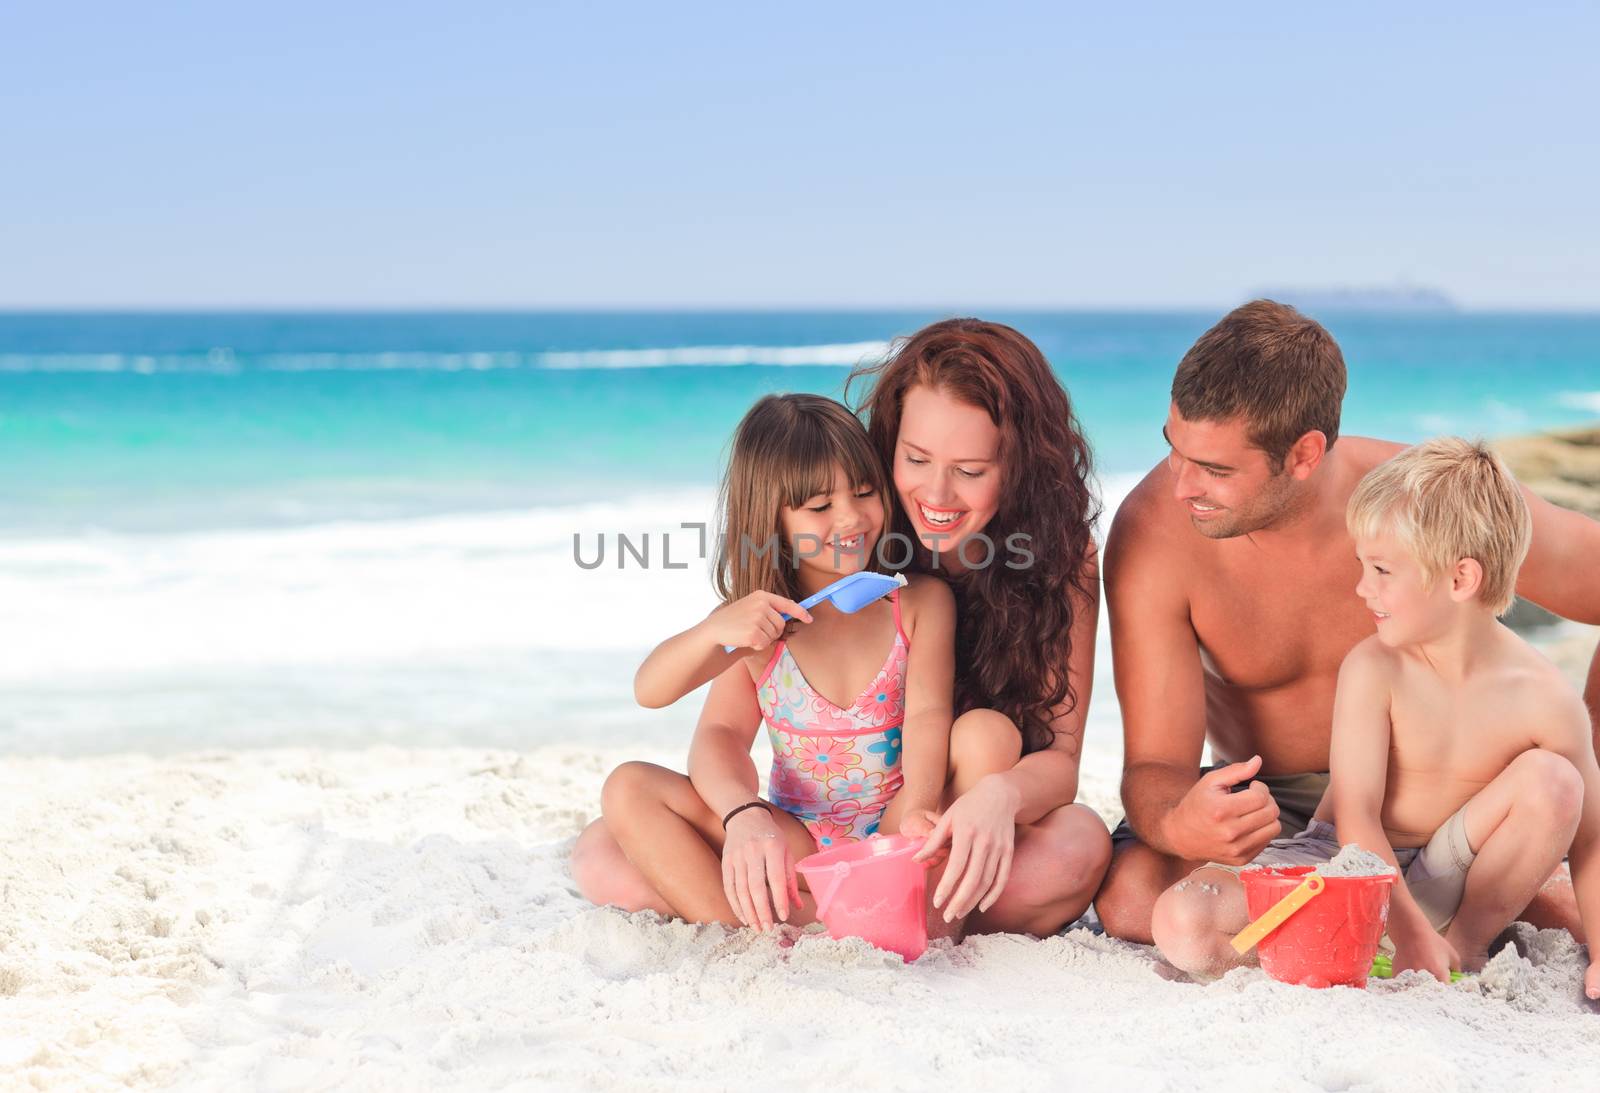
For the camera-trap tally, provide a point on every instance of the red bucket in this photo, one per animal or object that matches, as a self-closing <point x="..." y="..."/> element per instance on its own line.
<point x="1332" y="939"/>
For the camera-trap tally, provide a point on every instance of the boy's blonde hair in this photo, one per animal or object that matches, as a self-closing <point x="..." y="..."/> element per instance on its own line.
<point x="1447" y="499"/>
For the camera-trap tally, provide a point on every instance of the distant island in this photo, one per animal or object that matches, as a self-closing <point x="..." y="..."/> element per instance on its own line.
<point x="1399" y="298"/>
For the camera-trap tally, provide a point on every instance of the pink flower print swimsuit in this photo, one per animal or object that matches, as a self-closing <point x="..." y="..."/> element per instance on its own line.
<point x="835" y="770"/>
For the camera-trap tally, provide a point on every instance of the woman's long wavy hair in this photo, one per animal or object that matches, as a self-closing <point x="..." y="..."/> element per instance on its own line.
<point x="1014" y="626"/>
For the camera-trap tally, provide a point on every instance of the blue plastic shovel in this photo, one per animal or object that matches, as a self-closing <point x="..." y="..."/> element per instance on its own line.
<point x="850" y="594"/>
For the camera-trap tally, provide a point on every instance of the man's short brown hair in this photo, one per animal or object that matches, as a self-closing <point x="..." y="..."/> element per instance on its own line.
<point x="1270" y="365"/>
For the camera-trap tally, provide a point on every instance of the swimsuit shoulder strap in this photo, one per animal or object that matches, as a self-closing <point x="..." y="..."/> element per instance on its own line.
<point x="894" y="598"/>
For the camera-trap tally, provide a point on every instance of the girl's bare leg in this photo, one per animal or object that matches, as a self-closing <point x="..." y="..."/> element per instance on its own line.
<point x="674" y="841"/>
<point x="605" y="876"/>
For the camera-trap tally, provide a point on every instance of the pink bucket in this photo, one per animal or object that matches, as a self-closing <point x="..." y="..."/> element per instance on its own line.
<point x="873" y="890"/>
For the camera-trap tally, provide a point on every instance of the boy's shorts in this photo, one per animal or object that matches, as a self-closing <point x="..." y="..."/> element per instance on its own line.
<point x="1436" y="874"/>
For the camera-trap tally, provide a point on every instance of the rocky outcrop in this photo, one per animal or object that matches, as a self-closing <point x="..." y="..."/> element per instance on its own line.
<point x="1562" y="466"/>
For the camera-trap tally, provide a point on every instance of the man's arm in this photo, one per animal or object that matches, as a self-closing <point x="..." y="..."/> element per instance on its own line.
<point x="1161" y="689"/>
<point x="1560" y="575"/>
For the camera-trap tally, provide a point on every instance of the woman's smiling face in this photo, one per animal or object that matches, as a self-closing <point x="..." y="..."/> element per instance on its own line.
<point x="947" y="472"/>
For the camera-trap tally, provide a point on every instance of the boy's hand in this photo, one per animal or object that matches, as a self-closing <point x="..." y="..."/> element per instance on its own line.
<point x="1427" y="951"/>
<point x="752" y="622"/>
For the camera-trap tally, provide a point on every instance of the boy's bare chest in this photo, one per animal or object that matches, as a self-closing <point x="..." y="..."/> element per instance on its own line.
<point x="1467" y="734"/>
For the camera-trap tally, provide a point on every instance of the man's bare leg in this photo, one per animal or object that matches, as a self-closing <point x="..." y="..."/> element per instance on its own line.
<point x="1555" y="906"/>
<point x="1522" y="823"/>
<point x="1195" y="920"/>
<point x="1138" y="877"/>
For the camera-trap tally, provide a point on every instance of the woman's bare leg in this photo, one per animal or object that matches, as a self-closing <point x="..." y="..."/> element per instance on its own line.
<point x="1056" y="868"/>
<point x="1058" y="861"/>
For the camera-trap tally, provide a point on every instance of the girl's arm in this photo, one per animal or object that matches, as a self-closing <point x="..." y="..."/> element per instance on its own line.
<point x="928" y="610"/>
<point x="686" y="660"/>
<point x="758" y="875"/>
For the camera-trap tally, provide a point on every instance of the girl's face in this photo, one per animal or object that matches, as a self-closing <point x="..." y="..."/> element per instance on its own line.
<point x="833" y="534"/>
<point x="947" y="473"/>
<point x="1404" y="608"/>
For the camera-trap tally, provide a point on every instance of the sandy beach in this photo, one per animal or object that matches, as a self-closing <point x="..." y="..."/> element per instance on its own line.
<point x="398" y="919"/>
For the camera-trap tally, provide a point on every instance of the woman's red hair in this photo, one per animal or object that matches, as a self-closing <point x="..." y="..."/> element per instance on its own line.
<point x="1014" y="626"/>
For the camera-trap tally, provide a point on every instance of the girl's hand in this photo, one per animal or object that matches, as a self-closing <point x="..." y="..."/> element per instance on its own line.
<point x="752" y="622"/>
<point x="981" y="827"/>
<point x="757" y="870"/>
<point x="1591" y="980"/>
<point x="919" y="824"/>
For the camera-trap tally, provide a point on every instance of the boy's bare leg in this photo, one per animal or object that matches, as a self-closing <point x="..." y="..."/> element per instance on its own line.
<point x="1522" y="823"/>
<point x="1195" y="920"/>
<point x="675" y="841"/>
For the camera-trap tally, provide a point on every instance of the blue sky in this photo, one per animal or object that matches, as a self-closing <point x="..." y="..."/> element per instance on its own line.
<point x="550" y="155"/>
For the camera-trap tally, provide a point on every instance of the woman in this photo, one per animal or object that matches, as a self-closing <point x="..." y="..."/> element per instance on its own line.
<point x="992" y="475"/>
<point x="993" y="479"/>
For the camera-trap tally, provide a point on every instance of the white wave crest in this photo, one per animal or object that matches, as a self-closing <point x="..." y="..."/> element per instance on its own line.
<point x="224" y="361"/>
<point x="1580" y="400"/>
<point x="845" y="354"/>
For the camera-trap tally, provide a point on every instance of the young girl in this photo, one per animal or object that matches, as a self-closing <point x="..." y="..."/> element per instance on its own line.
<point x="858" y="707"/>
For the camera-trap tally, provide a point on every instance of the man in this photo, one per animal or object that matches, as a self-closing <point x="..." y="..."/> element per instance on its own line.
<point x="1230" y="580"/>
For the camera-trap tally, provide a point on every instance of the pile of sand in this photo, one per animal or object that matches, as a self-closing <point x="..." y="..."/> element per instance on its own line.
<point x="401" y="919"/>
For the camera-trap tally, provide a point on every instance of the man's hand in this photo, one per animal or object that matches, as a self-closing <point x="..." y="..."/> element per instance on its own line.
<point x="1214" y="823"/>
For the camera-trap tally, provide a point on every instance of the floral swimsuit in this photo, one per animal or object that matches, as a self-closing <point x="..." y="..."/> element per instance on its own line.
<point x="835" y="770"/>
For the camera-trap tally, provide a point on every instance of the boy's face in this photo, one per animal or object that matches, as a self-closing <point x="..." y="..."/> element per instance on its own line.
<point x="834" y="533"/>
<point x="1404" y="609"/>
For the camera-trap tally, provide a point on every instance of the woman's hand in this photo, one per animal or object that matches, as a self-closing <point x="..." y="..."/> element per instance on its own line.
<point x="757" y="870"/>
<point x="981" y="828"/>
<point x="752" y="622"/>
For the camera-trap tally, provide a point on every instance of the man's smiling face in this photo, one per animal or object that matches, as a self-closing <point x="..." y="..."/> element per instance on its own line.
<point x="1224" y="482"/>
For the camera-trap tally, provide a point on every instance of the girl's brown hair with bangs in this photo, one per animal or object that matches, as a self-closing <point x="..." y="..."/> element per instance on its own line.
<point x="1013" y="626"/>
<point x="784" y="453"/>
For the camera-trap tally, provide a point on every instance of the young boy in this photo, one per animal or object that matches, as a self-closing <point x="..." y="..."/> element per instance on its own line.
<point x="1459" y="754"/>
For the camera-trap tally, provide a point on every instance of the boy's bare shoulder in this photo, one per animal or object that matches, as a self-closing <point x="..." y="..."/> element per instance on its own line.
<point x="1371" y="661"/>
<point x="1534" y="685"/>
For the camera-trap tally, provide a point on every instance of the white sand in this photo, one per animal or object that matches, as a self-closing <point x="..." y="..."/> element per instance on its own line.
<point x="1354" y="860"/>
<point x="394" y="919"/>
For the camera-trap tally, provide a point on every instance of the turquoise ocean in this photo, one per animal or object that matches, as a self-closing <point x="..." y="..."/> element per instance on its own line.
<point x="232" y="530"/>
